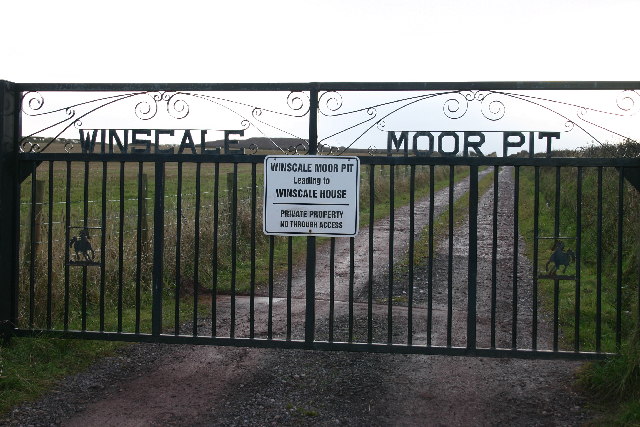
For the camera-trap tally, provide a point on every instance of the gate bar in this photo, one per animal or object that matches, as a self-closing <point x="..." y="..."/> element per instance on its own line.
<point x="516" y="235"/>
<point x="472" y="278"/>
<point x="310" y="320"/>
<point x="578" y="251"/>
<point x="494" y="254"/>
<point x="158" y="249"/>
<point x="196" y="251"/>
<point x="619" y="260"/>
<point x="536" y="234"/>
<point x="430" y="255"/>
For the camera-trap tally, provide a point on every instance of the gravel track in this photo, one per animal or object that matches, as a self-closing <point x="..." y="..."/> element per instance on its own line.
<point x="154" y="384"/>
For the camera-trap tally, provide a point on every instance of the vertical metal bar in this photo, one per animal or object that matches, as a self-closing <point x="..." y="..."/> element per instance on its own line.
<point x="85" y="203"/>
<point x="50" y="249"/>
<point x="516" y="235"/>
<point x="32" y="248"/>
<point x="158" y="249"/>
<point x="619" y="259"/>
<point x="139" y="245"/>
<point x="178" y="278"/>
<point x="310" y="318"/>
<point x="392" y="197"/>
<point x="412" y="213"/>
<point x="536" y="226"/>
<point x="556" y="282"/>
<point x="473" y="258"/>
<point x="430" y="270"/>
<point x="289" y="283"/>
<point x="15" y="292"/>
<point x="196" y="251"/>
<point x="270" y="315"/>
<point x="332" y="285"/>
<point x="450" y="260"/>
<point x="578" y="262"/>
<point x="66" y="245"/>
<point x="310" y="325"/>
<point x="234" y="255"/>
<point x="103" y="243"/>
<point x="494" y="254"/>
<point x="599" y="265"/>
<point x="370" y="282"/>
<point x="252" y="291"/>
<point x="121" y="248"/>
<point x="214" y="259"/>
<point x="351" y="284"/>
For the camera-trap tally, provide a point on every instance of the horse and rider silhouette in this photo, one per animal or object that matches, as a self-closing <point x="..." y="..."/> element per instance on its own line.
<point x="82" y="245"/>
<point x="559" y="257"/>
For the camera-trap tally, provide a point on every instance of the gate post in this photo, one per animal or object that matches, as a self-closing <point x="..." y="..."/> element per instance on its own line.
<point x="9" y="132"/>
<point x="310" y="318"/>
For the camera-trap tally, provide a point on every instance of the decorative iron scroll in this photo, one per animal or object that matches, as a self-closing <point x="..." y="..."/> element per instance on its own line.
<point x="147" y="107"/>
<point x="490" y="105"/>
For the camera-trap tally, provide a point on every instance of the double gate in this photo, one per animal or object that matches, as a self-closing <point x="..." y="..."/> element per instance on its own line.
<point x="118" y="224"/>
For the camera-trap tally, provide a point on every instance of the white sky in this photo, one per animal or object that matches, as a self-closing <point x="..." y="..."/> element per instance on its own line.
<point x="328" y="40"/>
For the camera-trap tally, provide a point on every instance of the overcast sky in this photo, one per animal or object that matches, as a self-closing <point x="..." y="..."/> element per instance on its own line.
<point x="327" y="40"/>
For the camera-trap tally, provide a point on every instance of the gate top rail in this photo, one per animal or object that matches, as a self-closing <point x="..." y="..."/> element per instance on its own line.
<point x="334" y="86"/>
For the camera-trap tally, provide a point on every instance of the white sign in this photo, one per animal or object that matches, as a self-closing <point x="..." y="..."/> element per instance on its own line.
<point x="311" y="195"/>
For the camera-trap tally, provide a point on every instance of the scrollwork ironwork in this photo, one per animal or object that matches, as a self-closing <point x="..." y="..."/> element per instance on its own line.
<point x="177" y="107"/>
<point x="148" y="108"/>
<point x="456" y="106"/>
<point x="33" y="101"/>
<point x="492" y="109"/>
<point x="628" y="101"/>
<point x="329" y="102"/>
<point x="299" y="101"/>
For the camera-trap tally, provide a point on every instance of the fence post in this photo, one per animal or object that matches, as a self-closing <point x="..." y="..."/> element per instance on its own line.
<point x="310" y="318"/>
<point x="9" y="181"/>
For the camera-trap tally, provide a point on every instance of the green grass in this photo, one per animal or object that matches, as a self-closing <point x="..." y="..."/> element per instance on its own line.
<point x="614" y="384"/>
<point x="31" y="366"/>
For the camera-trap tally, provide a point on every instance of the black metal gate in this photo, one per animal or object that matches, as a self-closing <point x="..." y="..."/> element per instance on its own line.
<point x="117" y="232"/>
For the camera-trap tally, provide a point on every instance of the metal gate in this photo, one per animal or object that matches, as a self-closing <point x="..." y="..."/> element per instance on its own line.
<point x="133" y="212"/>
